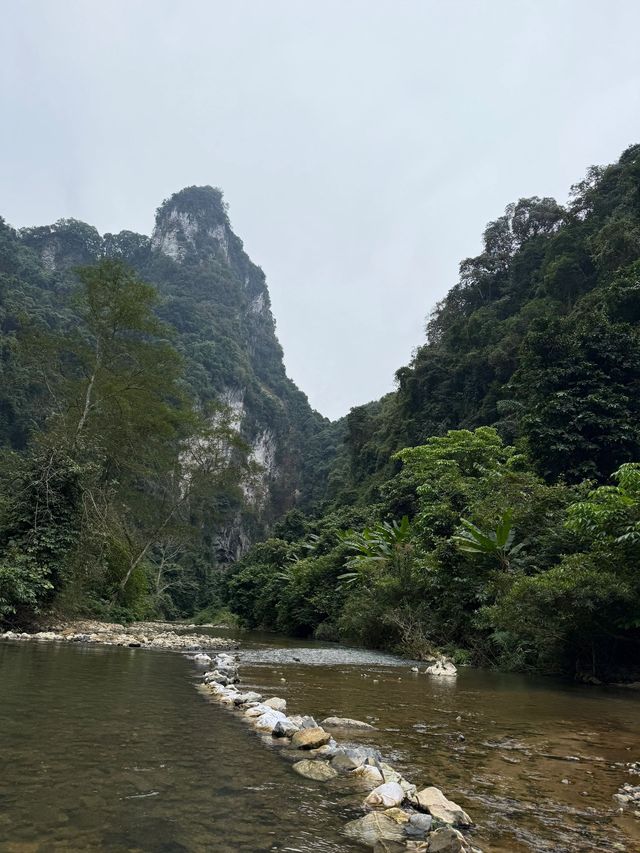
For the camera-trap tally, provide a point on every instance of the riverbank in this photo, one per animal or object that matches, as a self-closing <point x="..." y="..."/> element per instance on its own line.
<point x="148" y="635"/>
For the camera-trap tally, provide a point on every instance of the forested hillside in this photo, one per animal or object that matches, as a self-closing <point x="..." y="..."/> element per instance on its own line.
<point x="149" y="430"/>
<point x="491" y="504"/>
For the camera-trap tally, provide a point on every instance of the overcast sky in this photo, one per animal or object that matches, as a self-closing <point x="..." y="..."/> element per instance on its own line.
<point x="361" y="146"/>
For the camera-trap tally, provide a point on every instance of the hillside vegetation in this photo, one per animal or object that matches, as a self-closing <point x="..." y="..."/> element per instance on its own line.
<point x="491" y="504"/>
<point x="156" y="459"/>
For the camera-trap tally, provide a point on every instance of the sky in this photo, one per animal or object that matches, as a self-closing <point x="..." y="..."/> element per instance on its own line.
<point x="362" y="145"/>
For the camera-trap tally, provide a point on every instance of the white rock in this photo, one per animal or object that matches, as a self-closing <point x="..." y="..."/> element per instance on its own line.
<point x="202" y="658"/>
<point x="434" y="801"/>
<point x="442" y="667"/>
<point x="345" y="723"/>
<point x="368" y="773"/>
<point x="386" y="796"/>
<point x="276" y="703"/>
<point x="268" y="721"/>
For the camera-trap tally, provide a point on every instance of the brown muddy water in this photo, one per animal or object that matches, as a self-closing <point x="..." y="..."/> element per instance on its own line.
<point x="111" y="749"/>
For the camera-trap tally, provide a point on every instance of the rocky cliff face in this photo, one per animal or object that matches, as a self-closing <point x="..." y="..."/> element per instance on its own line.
<point x="217" y="300"/>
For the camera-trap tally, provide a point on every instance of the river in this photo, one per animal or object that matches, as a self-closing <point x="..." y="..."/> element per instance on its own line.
<point x="113" y="749"/>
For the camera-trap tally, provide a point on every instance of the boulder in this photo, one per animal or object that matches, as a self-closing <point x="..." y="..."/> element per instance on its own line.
<point x="276" y="703"/>
<point x="368" y="773"/>
<point x="304" y="722"/>
<point x="244" y="698"/>
<point x="385" y="796"/>
<point x="434" y="801"/>
<point x="374" y="827"/>
<point x="284" y="728"/>
<point x="269" y="720"/>
<point x="326" y="751"/>
<point x="442" y="667"/>
<point x="257" y="710"/>
<point x="348" y="758"/>
<point x="446" y="840"/>
<point x="310" y="738"/>
<point x="202" y="658"/>
<point x="320" y="771"/>
<point x="421" y="822"/>
<point x="345" y="723"/>
<point x="398" y="815"/>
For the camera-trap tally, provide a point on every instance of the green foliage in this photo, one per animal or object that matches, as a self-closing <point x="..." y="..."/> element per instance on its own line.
<point x="498" y="542"/>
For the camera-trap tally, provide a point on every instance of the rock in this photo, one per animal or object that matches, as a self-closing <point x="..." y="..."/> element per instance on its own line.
<point x="421" y="822"/>
<point x="414" y="669"/>
<point x="368" y="773"/>
<point x="216" y="677"/>
<point x="345" y="723"/>
<point x="276" y="703"/>
<point x="310" y="738"/>
<point x="284" y="728"/>
<point x="385" y="796"/>
<point x="251" y="696"/>
<point x="269" y="720"/>
<point x="320" y="771"/>
<point x="442" y="667"/>
<point x="257" y="710"/>
<point x="374" y="827"/>
<point x="390" y="847"/>
<point x="326" y="751"/>
<point x="304" y="722"/>
<point x="202" y="658"/>
<point x="446" y="840"/>
<point x="434" y="801"/>
<point x="398" y="815"/>
<point x="348" y="758"/>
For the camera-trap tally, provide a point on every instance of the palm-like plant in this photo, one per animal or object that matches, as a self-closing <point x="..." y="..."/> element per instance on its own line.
<point x="498" y="542"/>
<point x="377" y="544"/>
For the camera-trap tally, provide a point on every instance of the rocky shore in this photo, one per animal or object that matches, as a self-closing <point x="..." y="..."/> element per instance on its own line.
<point x="395" y="814"/>
<point x="147" y="635"/>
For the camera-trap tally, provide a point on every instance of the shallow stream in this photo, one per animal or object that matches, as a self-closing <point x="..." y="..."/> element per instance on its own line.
<point x="112" y="749"/>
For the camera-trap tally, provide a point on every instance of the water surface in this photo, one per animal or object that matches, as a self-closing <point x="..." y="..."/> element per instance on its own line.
<point x="109" y="749"/>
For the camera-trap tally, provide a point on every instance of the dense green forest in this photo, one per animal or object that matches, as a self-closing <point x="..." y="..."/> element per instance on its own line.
<point x="156" y="459"/>
<point x="490" y="506"/>
<point x="148" y="429"/>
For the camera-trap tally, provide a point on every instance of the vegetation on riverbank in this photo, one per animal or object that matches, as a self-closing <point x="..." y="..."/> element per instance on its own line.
<point x="490" y="506"/>
<point x="511" y="448"/>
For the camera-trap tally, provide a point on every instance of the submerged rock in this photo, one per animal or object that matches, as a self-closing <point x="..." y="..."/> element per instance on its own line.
<point x="320" y="771"/>
<point x="345" y="723"/>
<point x="310" y="738"/>
<point x="434" y="801"/>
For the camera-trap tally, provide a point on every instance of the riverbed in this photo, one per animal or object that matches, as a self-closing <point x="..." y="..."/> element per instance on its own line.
<point x="113" y="749"/>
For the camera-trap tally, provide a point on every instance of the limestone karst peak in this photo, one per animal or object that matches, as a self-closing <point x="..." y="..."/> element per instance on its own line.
<point x="191" y="223"/>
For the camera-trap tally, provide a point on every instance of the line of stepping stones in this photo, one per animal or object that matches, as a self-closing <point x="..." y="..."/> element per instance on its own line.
<point x="397" y="816"/>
